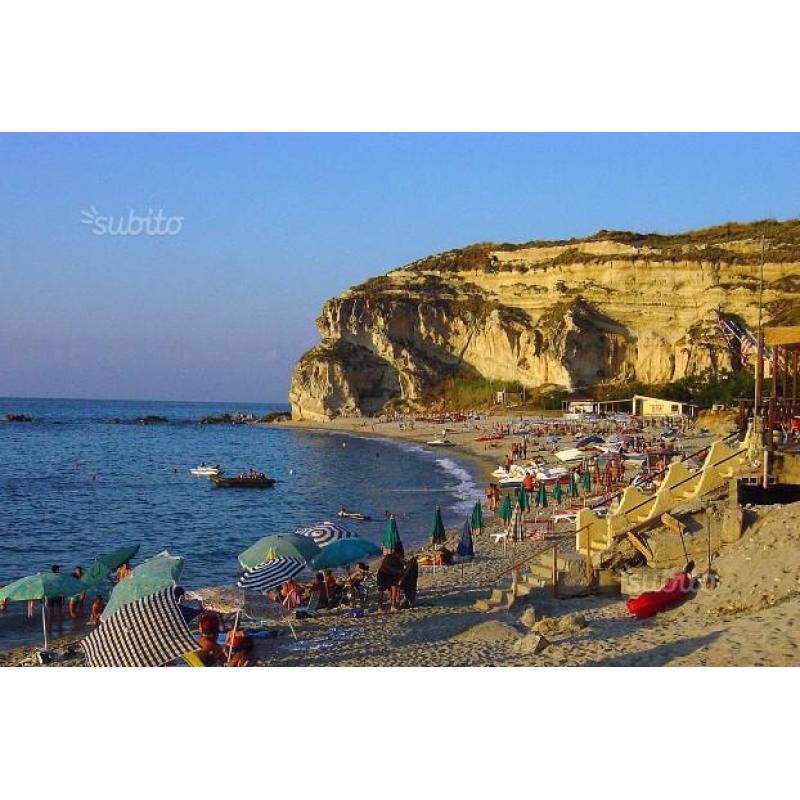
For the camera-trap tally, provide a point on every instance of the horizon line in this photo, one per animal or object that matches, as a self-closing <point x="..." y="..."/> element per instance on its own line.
<point x="146" y="400"/>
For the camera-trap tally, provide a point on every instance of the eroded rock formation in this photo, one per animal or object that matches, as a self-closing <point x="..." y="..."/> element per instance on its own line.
<point x="613" y="307"/>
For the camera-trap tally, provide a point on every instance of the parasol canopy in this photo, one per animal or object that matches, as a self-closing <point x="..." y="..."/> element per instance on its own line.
<point x="157" y="573"/>
<point x="289" y="545"/>
<point x="345" y="551"/>
<point x="504" y="512"/>
<point x="271" y="574"/>
<point x="391" y="536"/>
<point x="438" y="535"/>
<point x="465" y="547"/>
<point x="106" y="564"/>
<point x="323" y="533"/>
<point x="477" y="517"/>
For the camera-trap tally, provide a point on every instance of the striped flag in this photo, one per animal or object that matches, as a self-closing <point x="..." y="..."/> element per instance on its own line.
<point x="145" y="633"/>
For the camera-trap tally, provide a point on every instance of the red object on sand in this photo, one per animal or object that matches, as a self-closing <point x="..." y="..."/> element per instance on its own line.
<point x="649" y="604"/>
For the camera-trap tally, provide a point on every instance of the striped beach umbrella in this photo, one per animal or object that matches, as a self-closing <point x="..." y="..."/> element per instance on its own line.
<point x="289" y="545"/>
<point x="271" y="574"/>
<point x="438" y="535"/>
<point x="504" y="512"/>
<point x="148" y="632"/>
<point x="476" y="522"/>
<point x="391" y="536"/>
<point x="516" y="527"/>
<point x="323" y="533"/>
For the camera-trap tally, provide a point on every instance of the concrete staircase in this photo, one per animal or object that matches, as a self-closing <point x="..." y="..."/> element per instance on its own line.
<point x="537" y="575"/>
<point x="678" y="486"/>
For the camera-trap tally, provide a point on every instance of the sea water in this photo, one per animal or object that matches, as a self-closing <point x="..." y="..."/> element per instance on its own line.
<point x="73" y="486"/>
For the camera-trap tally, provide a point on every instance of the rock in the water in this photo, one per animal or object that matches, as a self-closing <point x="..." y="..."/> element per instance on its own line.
<point x="531" y="643"/>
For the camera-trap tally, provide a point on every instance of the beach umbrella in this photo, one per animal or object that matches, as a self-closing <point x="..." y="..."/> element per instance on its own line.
<point x="556" y="493"/>
<point x="516" y="527"/>
<point x="345" y="551"/>
<point x="271" y="574"/>
<point x="41" y="586"/>
<point x="466" y="548"/>
<point x="523" y="499"/>
<point x="476" y="522"/>
<point x="323" y="533"/>
<point x="438" y="535"/>
<point x="573" y="485"/>
<point x="586" y="481"/>
<point x="541" y="496"/>
<point x="289" y="545"/>
<point x="504" y="512"/>
<point x="159" y="572"/>
<point x="391" y="536"/>
<point x="106" y="564"/>
<point x="147" y="632"/>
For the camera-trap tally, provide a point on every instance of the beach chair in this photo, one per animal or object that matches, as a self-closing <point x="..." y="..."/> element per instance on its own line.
<point x="310" y="607"/>
<point x="500" y="536"/>
<point x="261" y="611"/>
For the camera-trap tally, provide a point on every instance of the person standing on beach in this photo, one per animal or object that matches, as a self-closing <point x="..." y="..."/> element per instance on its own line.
<point x="388" y="577"/>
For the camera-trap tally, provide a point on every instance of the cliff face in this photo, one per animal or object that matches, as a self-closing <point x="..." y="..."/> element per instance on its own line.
<point x="613" y="307"/>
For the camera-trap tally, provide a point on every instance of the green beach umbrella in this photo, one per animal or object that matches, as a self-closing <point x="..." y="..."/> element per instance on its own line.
<point x="106" y="564"/>
<point x="438" y="535"/>
<point x="289" y="545"/>
<point x="151" y="576"/>
<point x="556" y="493"/>
<point x="391" y="536"/>
<point x="523" y="499"/>
<point x="573" y="485"/>
<point x="586" y="481"/>
<point x="476" y="523"/>
<point x="40" y="586"/>
<point x="541" y="496"/>
<point x="344" y="551"/>
<point x="504" y="512"/>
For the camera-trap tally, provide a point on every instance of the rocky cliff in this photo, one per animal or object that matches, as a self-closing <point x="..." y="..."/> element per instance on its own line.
<point x="612" y="307"/>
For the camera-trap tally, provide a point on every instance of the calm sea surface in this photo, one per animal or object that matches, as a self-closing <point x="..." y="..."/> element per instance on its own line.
<point x="73" y="486"/>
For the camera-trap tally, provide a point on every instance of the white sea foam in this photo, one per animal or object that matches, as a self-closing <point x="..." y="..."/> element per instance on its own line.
<point x="465" y="490"/>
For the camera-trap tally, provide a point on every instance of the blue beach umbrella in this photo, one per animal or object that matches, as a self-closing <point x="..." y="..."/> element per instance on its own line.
<point x="466" y="548"/>
<point x="345" y="551"/>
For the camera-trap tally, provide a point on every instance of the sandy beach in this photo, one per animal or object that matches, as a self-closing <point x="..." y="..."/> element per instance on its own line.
<point x="748" y="620"/>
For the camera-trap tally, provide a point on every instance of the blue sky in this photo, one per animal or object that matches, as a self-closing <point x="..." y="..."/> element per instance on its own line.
<point x="273" y="225"/>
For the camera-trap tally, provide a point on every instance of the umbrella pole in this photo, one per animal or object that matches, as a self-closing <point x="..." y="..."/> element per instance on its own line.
<point x="233" y="635"/>
<point x="44" y="625"/>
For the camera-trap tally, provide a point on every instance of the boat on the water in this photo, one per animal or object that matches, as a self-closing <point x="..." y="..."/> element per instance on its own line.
<point x="206" y="470"/>
<point x="343" y="513"/>
<point x="243" y="482"/>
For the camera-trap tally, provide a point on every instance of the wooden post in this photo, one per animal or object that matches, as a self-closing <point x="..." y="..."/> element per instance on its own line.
<point x="555" y="570"/>
<point x="590" y="568"/>
<point x="773" y="400"/>
<point x="514" y="583"/>
<point x="759" y="375"/>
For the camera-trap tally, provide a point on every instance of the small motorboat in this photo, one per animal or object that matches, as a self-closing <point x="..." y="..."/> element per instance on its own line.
<point x="440" y="443"/>
<point x="343" y="513"/>
<point x="242" y="482"/>
<point x="206" y="470"/>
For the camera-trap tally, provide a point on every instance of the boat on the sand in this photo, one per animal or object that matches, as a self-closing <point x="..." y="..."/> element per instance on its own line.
<point x="242" y="482"/>
<point x="440" y="443"/>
